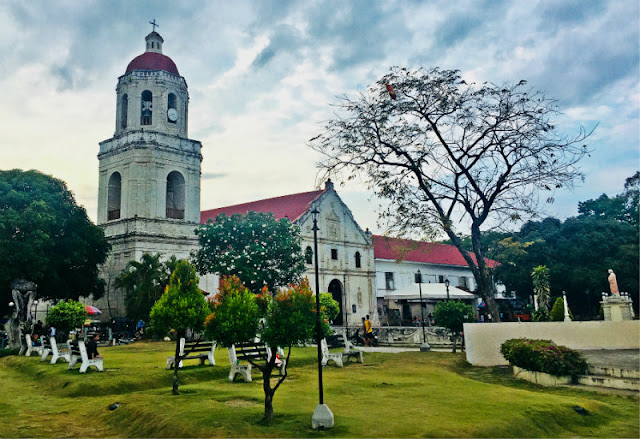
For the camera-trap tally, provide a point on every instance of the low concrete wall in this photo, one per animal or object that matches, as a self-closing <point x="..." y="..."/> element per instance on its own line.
<point x="407" y="336"/>
<point x="483" y="340"/>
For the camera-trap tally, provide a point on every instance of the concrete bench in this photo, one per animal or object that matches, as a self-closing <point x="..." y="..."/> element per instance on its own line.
<point x="78" y="351"/>
<point x="256" y="352"/>
<point x="339" y="341"/>
<point x="194" y="350"/>
<point x="46" y="348"/>
<point x="31" y="348"/>
<point x="56" y="353"/>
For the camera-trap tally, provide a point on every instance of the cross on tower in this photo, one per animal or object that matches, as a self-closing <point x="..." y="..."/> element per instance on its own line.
<point x="153" y="23"/>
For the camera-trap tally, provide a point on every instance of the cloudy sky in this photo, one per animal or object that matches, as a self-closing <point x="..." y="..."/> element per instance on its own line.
<point x="262" y="76"/>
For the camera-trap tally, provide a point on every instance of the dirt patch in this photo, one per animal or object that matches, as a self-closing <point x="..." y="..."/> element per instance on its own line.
<point x="241" y="403"/>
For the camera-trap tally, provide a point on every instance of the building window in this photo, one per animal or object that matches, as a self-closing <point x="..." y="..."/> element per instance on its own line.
<point x="334" y="253"/>
<point x="388" y="281"/>
<point x="114" y="192"/>
<point x="463" y="282"/>
<point x="358" y="263"/>
<point x="441" y="279"/>
<point x="124" y="111"/>
<point x="146" y="108"/>
<point x="308" y="255"/>
<point x="175" y="195"/>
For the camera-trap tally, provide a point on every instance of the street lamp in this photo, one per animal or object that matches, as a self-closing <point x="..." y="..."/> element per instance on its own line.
<point x="322" y="416"/>
<point x="424" y="347"/>
<point x="446" y="284"/>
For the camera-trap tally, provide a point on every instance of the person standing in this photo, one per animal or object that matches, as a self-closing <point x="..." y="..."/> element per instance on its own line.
<point x="368" y="332"/>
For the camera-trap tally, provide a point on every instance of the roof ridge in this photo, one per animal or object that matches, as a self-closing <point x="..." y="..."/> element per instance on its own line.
<point x="266" y="199"/>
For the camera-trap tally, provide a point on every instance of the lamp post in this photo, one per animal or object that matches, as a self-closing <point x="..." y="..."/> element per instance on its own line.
<point x="424" y="347"/>
<point x="322" y="416"/>
<point x="446" y="284"/>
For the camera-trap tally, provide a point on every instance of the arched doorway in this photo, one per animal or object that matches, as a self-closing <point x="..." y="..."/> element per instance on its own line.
<point x="335" y="288"/>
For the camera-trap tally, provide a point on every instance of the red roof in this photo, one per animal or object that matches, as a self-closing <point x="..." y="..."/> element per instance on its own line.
<point x="419" y="251"/>
<point x="153" y="61"/>
<point x="289" y="206"/>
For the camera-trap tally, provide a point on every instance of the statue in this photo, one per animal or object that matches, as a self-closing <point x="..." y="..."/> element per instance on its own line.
<point x="613" y="283"/>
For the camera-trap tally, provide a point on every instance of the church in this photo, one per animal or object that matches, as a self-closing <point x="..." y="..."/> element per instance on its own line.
<point x="149" y="202"/>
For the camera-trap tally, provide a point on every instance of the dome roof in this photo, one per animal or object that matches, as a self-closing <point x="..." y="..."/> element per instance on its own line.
<point x="153" y="61"/>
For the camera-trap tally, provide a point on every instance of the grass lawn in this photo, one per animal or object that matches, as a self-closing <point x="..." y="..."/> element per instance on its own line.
<point x="411" y="394"/>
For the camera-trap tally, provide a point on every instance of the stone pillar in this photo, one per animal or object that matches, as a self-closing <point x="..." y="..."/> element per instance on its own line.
<point x="567" y="317"/>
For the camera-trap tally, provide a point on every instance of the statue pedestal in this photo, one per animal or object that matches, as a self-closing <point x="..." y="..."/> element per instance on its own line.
<point x="617" y="308"/>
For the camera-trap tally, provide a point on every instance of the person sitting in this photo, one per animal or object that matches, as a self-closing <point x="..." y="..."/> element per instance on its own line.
<point x="92" y="347"/>
<point x="35" y="340"/>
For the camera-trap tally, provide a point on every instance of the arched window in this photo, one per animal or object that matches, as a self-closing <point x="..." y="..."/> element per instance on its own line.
<point x="113" y="196"/>
<point x="175" y="195"/>
<point x="172" y="116"/>
<point x="308" y="255"/>
<point x="358" y="264"/>
<point x="124" y="111"/>
<point x="147" y="108"/>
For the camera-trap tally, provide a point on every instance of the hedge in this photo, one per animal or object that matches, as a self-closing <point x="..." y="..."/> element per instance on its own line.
<point x="543" y="356"/>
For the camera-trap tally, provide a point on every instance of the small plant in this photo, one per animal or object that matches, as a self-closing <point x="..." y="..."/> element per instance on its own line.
<point x="543" y="356"/>
<point x="540" y="315"/>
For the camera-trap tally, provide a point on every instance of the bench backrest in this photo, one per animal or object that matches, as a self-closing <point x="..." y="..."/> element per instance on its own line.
<point x="83" y="351"/>
<point x="193" y="346"/>
<point x="74" y="348"/>
<point x="54" y="345"/>
<point x="339" y="341"/>
<point x="245" y="351"/>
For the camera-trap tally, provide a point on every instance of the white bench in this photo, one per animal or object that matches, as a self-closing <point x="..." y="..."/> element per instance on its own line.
<point x="79" y="352"/>
<point x="257" y="352"/>
<point x="195" y="349"/>
<point x="31" y="347"/>
<point x="347" y="352"/>
<point x="57" y="354"/>
<point x="46" y="348"/>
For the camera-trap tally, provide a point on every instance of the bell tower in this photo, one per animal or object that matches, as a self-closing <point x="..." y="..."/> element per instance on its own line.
<point x="149" y="171"/>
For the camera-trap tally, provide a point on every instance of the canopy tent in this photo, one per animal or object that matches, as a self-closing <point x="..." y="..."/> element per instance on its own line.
<point x="432" y="291"/>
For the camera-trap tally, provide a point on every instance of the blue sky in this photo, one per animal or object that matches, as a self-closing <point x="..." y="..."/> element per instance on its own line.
<point x="262" y="77"/>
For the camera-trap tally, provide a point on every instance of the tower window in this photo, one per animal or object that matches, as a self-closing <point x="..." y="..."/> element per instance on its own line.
<point x="147" y="108"/>
<point x="172" y="105"/>
<point x="308" y="255"/>
<point x="175" y="195"/>
<point x="334" y="253"/>
<point x="124" y="111"/>
<point x="114" y="192"/>
<point x="358" y="263"/>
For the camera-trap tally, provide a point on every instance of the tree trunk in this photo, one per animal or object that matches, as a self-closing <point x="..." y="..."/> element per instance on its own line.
<point x="455" y="342"/>
<point x="268" y="393"/>
<point x="176" y="366"/>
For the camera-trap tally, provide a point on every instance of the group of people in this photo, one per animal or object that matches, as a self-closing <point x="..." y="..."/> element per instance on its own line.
<point x="39" y="332"/>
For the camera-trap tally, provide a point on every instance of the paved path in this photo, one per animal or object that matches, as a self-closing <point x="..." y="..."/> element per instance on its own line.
<point x="623" y="358"/>
<point x="397" y="349"/>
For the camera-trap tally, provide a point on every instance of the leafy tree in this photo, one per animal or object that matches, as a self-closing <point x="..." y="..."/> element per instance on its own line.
<point x="289" y="318"/>
<point x="557" y="312"/>
<point x="46" y="238"/>
<point x="182" y="306"/>
<point x="257" y="248"/>
<point x="143" y="283"/>
<point x="447" y="154"/>
<point x="452" y="315"/>
<point x="67" y="315"/>
<point x="540" y="277"/>
<point x="329" y="306"/>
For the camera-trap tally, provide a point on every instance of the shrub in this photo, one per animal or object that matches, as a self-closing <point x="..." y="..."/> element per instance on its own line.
<point x="543" y="356"/>
<point x="540" y="315"/>
<point x="66" y="316"/>
<point x="8" y="351"/>
<point x="557" y="312"/>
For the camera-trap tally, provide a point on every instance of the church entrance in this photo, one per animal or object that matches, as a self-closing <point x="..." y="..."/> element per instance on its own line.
<point x="335" y="288"/>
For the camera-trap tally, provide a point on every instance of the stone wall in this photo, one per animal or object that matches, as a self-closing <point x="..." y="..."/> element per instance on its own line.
<point x="408" y="336"/>
<point x="483" y="340"/>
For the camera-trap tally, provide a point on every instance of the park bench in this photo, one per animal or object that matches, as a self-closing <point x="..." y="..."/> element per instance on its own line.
<point x="194" y="349"/>
<point x="78" y="351"/>
<point x="56" y="353"/>
<point x="257" y="352"/>
<point x="46" y="348"/>
<point x="31" y="347"/>
<point x="338" y="341"/>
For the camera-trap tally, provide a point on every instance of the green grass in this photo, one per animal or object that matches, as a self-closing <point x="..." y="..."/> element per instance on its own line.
<point x="410" y="394"/>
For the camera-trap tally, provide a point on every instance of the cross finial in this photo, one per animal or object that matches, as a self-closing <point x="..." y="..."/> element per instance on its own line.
<point x="153" y="23"/>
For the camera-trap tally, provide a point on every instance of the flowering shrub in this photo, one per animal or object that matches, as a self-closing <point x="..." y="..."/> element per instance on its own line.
<point x="543" y="356"/>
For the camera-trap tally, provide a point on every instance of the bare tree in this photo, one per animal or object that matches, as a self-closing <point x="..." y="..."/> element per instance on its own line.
<point x="451" y="156"/>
